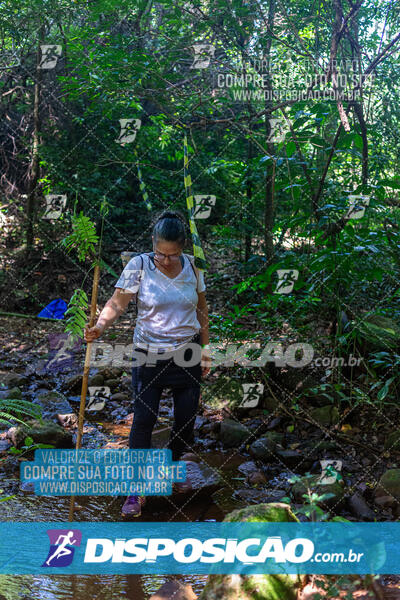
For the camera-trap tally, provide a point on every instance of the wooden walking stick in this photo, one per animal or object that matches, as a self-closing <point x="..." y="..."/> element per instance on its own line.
<point x="85" y="377"/>
<point x="85" y="237"/>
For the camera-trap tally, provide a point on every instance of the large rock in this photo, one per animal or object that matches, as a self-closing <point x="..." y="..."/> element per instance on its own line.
<point x="14" y="394"/>
<point x="389" y="485"/>
<point x="73" y="384"/>
<point x="97" y="379"/>
<point x="111" y="372"/>
<point x="204" y="482"/>
<point x="360" y="508"/>
<point x="293" y="458"/>
<point x="233" y="434"/>
<point x="202" y="477"/>
<point x="326" y="415"/>
<point x="12" y="379"/>
<point x="265" y="447"/>
<point x="255" y="587"/>
<point x="274" y="512"/>
<point x="301" y="487"/>
<point x="53" y="404"/>
<point x="47" y="432"/>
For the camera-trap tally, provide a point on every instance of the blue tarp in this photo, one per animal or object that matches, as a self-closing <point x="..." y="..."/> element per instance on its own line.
<point x="54" y="310"/>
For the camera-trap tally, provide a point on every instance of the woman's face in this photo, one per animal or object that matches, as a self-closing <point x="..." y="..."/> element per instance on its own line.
<point x="167" y="254"/>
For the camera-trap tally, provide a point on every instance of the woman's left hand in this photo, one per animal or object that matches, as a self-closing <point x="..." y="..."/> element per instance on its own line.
<point x="205" y="361"/>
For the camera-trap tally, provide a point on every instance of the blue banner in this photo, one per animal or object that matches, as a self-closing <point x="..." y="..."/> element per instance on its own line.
<point x="201" y="548"/>
<point x="104" y="472"/>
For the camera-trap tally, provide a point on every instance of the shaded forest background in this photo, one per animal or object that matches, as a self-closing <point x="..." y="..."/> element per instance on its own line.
<point x="282" y="202"/>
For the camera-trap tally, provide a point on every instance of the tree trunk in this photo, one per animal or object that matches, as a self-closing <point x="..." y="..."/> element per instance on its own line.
<point x="270" y="171"/>
<point x="35" y="169"/>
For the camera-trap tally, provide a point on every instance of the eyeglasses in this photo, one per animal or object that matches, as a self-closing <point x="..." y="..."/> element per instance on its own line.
<point x="172" y="257"/>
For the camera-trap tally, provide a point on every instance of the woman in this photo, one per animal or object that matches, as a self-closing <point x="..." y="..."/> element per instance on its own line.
<point x="172" y="322"/>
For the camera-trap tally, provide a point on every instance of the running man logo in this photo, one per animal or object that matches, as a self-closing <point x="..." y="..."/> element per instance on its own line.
<point x="129" y="129"/>
<point x="61" y="551"/>
<point x="287" y="279"/>
<point x="97" y="397"/>
<point x="251" y="394"/>
<point x="203" y="207"/>
<point x="130" y="280"/>
<point x="330" y="471"/>
<point x="50" y="55"/>
<point x="278" y="130"/>
<point x="357" y="207"/>
<point x="203" y="53"/>
<point x="63" y="351"/>
<point x="55" y="204"/>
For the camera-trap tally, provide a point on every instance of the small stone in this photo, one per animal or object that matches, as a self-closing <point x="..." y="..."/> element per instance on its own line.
<point x="257" y="478"/>
<point x="73" y="384"/>
<point x="233" y="434"/>
<point x="359" y="508"/>
<point x="47" y="432"/>
<point x="120" y="397"/>
<point x="13" y="379"/>
<point x="190" y="456"/>
<point x="111" y="372"/>
<point x="68" y="420"/>
<point x="264" y="447"/>
<point x="53" y="403"/>
<point x="247" y="467"/>
<point x="14" y="393"/>
<point x="4" y="445"/>
<point x="96" y="380"/>
<point x="112" y="384"/>
<point x="27" y="486"/>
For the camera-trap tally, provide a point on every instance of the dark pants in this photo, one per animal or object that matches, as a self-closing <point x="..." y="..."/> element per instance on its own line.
<point x="148" y="382"/>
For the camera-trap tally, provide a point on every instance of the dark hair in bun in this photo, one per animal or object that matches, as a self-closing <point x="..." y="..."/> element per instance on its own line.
<point x="171" y="227"/>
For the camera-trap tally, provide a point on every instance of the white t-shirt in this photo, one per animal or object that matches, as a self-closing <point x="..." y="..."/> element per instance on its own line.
<point x="166" y="316"/>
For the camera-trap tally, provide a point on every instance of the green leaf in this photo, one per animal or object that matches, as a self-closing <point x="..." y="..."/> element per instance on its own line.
<point x="290" y="148"/>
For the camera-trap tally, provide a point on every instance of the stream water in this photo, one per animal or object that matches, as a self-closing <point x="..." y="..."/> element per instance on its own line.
<point x="28" y="507"/>
<point x="25" y="506"/>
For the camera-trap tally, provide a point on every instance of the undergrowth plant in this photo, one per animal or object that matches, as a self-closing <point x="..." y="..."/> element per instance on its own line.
<point x="85" y="241"/>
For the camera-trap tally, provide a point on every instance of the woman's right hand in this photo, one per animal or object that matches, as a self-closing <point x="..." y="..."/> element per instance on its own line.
<point x="92" y="333"/>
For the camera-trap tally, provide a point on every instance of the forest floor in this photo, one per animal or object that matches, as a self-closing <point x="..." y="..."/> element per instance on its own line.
<point x="228" y="474"/>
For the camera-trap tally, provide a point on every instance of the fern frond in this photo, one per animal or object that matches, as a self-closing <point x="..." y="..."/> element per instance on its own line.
<point x="12" y="408"/>
<point x="83" y="238"/>
<point x="76" y="314"/>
